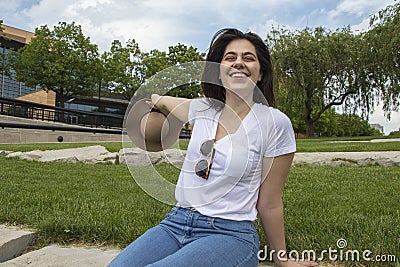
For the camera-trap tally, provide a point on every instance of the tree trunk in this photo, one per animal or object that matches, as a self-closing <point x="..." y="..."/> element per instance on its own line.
<point x="310" y="128"/>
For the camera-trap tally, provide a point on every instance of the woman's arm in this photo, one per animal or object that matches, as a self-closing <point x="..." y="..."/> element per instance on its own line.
<point x="270" y="207"/>
<point x="154" y="126"/>
<point x="177" y="106"/>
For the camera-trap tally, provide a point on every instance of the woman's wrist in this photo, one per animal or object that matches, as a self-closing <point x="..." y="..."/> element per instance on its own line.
<point x="280" y="258"/>
<point x="156" y="101"/>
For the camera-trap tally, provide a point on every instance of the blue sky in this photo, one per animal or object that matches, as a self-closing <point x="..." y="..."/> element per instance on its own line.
<point x="161" y="23"/>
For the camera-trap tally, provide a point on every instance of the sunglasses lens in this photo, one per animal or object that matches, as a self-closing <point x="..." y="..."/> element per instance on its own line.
<point x="207" y="147"/>
<point x="201" y="168"/>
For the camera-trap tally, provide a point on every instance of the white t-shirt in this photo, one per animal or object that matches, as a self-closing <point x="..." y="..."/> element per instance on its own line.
<point x="231" y="191"/>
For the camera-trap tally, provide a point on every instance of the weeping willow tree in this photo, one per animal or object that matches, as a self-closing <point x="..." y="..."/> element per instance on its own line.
<point x="318" y="69"/>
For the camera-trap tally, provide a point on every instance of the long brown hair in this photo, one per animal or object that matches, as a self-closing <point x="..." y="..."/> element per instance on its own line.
<point x="211" y="84"/>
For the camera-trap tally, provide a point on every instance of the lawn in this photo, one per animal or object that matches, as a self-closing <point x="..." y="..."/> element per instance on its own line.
<point x="303" y="145"/>
<point x="102" y="205"/>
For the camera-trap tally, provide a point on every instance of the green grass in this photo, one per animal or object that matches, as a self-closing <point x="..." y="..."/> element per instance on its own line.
<point x="303" y="145"/>
<point x="101" y="204"/>
<point x="110" y="146"/>
<point x="359" y="204"/>
<point x="330" y="145"/>
<point x="76" y="202"/>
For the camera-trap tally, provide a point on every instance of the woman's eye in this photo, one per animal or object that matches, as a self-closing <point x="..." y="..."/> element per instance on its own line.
<point x="229" y="58"/>
<point x="249" y="58"/>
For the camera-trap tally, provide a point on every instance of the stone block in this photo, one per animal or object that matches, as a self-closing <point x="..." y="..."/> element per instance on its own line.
<point x="13" y="242"/>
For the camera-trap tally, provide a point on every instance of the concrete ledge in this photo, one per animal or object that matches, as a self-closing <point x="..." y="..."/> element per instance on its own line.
<point x="62" y="256"/>
<point x="13" y="242"/>
<point x="22" y="136"/>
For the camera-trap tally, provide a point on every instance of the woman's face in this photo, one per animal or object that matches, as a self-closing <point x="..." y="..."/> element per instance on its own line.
<point x="240" y="68"/>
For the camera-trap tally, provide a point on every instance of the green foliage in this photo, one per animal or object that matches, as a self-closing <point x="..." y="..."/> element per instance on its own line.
<point x="177" y="55"/>
<point x="394" y="134"/>
<point x="62" y="60"/>
<point x="384" y="43"/>
<point x="331" y="123"/>
<point x="182" y="54"/>
<point x="318" y="69"/>
<point x="122" y="68"/>
<point x="127" y="68"/>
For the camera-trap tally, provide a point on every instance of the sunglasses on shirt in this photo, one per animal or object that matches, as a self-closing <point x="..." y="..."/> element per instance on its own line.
<point x="203" y="166"/>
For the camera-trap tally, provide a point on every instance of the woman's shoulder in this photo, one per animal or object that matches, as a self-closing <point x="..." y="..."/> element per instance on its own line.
<point x="199" y="103"/>
<point x="271" y="114"/>
<point x="200" y="108"/>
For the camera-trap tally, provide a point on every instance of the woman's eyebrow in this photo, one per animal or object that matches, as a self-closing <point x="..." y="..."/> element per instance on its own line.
<point x="230" y="53"/>
<point x="249" y="53"/>
<point x="244" y="53"/>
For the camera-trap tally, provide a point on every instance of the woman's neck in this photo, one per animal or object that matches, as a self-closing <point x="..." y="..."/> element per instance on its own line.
<point x="241" y="106"/>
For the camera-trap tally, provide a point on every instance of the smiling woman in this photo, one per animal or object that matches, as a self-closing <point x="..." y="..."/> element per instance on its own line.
<point x="236" y="164"/>
<point x="240" y="69"/>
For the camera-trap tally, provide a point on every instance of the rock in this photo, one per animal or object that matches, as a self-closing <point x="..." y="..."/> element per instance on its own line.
<point x="385" y="158"/>
<point x="91" y="154"/>
<point x="138" y="157"/>
<point x="14" y="241"/>
<point x="5" y="152"/>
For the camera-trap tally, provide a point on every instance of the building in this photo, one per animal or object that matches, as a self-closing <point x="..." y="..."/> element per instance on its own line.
<point x="14" y="39"/>
<point x="378" y="127"/>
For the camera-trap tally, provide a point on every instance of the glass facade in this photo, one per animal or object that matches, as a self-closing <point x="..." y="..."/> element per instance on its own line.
<point x="90" y="108"/>
<point x="9" y="86"/>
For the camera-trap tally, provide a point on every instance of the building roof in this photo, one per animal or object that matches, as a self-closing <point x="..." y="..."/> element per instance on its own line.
<point x="16" y="34"/>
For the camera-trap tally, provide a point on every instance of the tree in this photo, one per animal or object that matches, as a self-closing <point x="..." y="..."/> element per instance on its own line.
<point x="127" y="69"/>
<point x="318" y="69"/>
<point x="168" y="72"/>
<point x="384" y="46"/>
<point x="335" y="124"/>
<point x="62" y="60"/>
<point x="180" y="54"/>
<point x="123" y="73"/>
<point x="175" y="57"/>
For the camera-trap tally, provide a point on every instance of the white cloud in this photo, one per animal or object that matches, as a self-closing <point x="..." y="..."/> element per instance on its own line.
<point x="263" y="29"/>
<point x="359" y="7"/>
<point x="156" y="23"/>
<point x="8" y="6"/>
<point x="361" y="27"/>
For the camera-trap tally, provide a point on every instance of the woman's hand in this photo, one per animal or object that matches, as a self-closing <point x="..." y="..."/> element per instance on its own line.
<point x="155" y="98"/>
<point x="298" y="263"/>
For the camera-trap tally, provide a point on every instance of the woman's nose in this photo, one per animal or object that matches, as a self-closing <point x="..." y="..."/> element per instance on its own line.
<point x="238" y="63"/>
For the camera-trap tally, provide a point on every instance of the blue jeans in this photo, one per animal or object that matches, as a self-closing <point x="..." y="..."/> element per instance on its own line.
<point x="188" y="238"/>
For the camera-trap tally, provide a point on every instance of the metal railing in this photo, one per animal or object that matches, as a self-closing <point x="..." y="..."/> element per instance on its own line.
<point x="94" y="122"/>
<point x="30" y="110"/>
